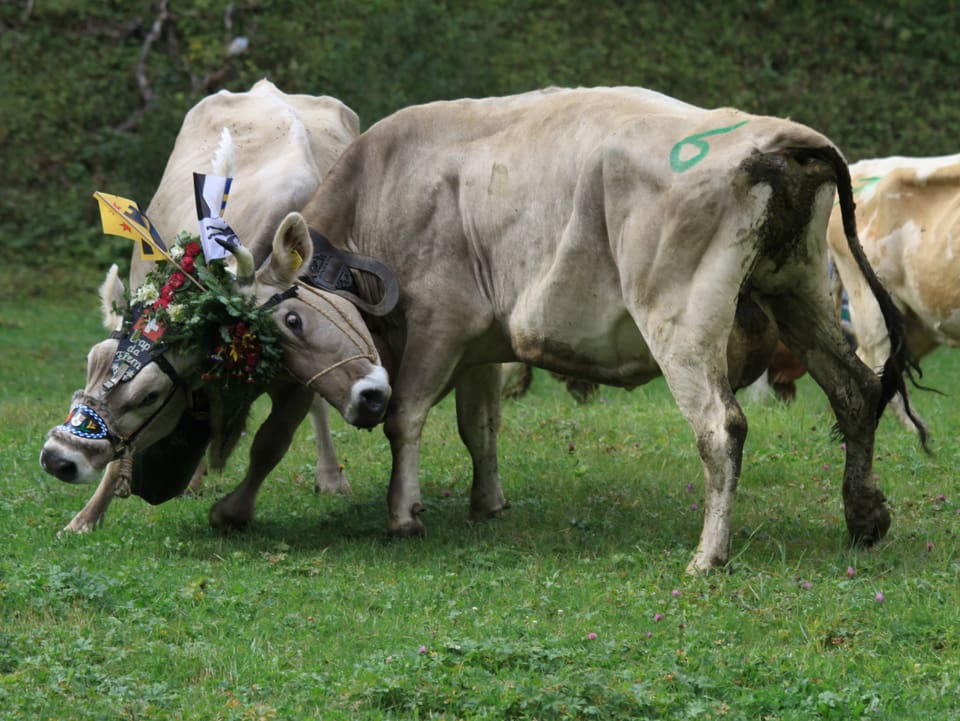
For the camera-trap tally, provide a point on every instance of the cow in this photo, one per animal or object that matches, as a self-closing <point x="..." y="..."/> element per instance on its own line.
<point x="612" y="234"/>
<point x="285" y="144"/>
<point x="908" y="210"/>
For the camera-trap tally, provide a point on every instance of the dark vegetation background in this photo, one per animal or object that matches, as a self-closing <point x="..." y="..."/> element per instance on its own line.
<point x="92" y="92"/>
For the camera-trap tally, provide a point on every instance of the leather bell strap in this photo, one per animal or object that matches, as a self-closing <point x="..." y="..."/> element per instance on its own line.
<point x="330" y="270"/>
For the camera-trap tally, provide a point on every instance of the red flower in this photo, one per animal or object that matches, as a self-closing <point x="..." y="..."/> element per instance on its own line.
<point x="188" y="264"/>
<point x="192" y="249"/>
<point x="177" y="279"/>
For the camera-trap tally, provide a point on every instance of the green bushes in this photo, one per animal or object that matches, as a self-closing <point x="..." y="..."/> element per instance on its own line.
<point x="876" y="77"/>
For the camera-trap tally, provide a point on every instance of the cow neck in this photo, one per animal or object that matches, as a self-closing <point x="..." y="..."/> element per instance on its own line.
<point x="365" y="350"/>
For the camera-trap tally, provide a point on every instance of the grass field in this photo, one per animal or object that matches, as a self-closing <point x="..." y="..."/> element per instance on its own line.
<point x="574" y="605"/>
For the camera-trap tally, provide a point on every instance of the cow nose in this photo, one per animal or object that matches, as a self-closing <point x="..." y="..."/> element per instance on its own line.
<point x="57" y="465"/>
<point x="374" y="401"/>
<point x="371" y="407"/>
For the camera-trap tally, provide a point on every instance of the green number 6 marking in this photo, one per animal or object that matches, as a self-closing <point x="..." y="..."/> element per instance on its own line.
<point x="678" y="166"/>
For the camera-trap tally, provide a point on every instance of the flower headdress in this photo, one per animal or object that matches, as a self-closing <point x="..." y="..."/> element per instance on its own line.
<point x="192" y="302"/>
<point x="199" y="309"/>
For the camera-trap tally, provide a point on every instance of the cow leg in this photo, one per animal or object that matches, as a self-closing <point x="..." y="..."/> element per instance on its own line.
<point x="91" y="515"/>
<point x="195" y="486"/>
<point x="403" y="427"/>
<point x="478" y="420"/>
<point x="705" y="399"/>
<point x="329" y="476"/>
<point x="290" y="404"/>
<point x="854" y="394"/>
<point x="691" y="351"/>
<point x="417" y="387"/>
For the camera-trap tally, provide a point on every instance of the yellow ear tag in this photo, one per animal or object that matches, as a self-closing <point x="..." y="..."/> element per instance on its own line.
<point x="297" y="259"/>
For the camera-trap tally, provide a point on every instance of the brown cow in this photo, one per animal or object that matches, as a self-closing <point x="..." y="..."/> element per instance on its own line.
<point x="612" y="234"/>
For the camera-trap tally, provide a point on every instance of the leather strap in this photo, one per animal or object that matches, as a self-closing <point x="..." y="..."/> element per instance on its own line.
<point x="330" y="270"/>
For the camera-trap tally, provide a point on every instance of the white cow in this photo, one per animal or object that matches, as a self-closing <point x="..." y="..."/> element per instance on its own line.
<point x="908" y="210"/>
<point x="283" y="145"/>
<point x="612" y="234"/>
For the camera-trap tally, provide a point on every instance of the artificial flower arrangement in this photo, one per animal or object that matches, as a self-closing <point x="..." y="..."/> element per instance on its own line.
<point x="200" y="310"/>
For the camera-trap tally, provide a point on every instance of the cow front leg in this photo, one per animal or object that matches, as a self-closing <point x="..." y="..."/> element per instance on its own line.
<point x="404" y="504"/>
<point x="195" y="487"/>
<point x="290" y="403"/>
<point x="328" y="476"/>
<point x="478" y="420"/>
<point x="92" y="514"/>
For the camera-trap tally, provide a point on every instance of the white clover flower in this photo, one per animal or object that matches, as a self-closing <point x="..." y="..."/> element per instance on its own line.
<point x="176" y="252"/>
<point x="146" y="293"/>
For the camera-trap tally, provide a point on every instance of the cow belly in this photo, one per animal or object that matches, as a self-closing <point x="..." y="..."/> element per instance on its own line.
<point x="594" y="343"/>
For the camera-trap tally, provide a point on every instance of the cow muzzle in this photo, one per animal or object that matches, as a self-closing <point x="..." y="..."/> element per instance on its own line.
<point x="369" y="399"/>
<point x="73" y="462"/>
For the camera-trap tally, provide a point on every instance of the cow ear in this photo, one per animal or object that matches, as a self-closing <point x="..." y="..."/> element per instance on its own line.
<point x="292" y="248"/>
<point x="113" y="302"/>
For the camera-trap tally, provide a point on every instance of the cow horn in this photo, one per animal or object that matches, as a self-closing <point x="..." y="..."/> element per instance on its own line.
<point x="245" y="267"/>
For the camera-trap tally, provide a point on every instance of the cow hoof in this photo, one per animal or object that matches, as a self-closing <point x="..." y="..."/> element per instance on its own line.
<point x="341" y="488"/>
<point x="703" y="564"/>
<point x="78" y="526"/>
<point x="221" y="520"/>
<point x="869" y="522"/>
<point x="411" y="529"/>
<point x="867" y="531"/>
<point x="72" y="530"/>
<point x="479" y="515"/>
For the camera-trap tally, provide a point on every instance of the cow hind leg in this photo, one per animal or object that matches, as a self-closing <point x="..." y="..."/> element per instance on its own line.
<point x="720" y="428"/>
<point x="329" y="476"/>
<point x="478" y="420"/>
<point x="692" y="356"/>
<point x="854" y="393"/>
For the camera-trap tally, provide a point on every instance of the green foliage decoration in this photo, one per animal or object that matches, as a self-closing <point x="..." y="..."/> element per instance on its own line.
<point x="203" y="313"/>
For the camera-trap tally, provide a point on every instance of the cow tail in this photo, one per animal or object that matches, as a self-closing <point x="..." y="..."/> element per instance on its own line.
<point x="900" y="363"/>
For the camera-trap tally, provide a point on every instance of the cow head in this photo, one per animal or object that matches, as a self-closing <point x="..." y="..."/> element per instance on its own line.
<point x="327" y="346"/>
<point x="133" y="399"/>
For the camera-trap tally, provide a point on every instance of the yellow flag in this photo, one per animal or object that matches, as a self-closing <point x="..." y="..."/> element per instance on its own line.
<point x="123" y="217"/>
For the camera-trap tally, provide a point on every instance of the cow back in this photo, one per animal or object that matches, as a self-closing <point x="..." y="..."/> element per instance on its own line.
<point x="284" y="145"/>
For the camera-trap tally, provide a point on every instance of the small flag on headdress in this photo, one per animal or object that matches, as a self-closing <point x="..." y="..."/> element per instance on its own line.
<point x="123" y="217"/>
<point x="211" y="193"/>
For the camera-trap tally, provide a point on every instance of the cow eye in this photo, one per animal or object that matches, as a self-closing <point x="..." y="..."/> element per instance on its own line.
<point x="149" y="399"/>
<point x="293" y="322"/>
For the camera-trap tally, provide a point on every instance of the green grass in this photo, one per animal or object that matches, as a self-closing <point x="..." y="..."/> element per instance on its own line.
<point x="313" y="613"/>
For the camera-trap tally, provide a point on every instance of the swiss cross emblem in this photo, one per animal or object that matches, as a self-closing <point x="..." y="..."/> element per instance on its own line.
<point x="152" y="329"/>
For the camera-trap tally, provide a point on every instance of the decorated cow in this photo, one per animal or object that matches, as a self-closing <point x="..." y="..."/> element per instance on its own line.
<point x="195" y="346"/>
